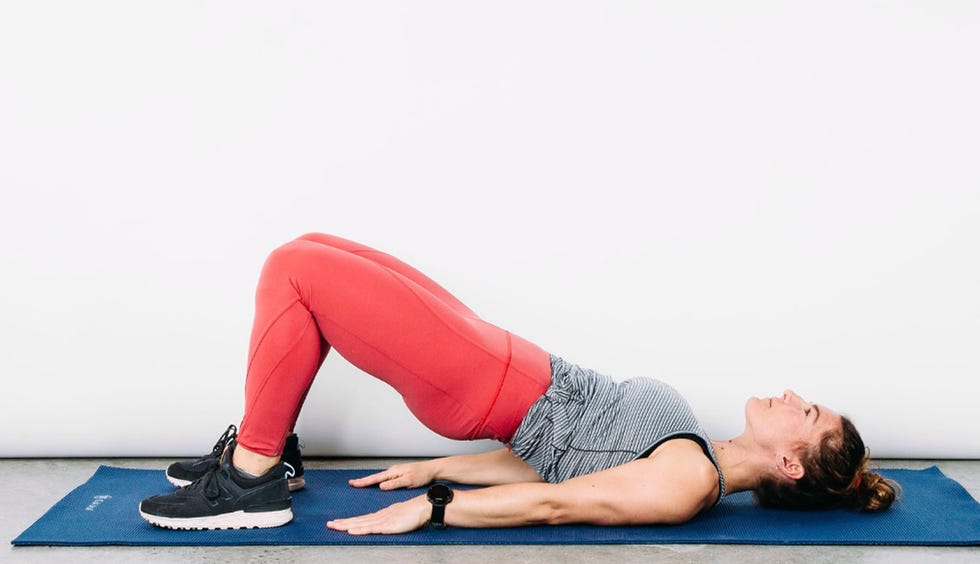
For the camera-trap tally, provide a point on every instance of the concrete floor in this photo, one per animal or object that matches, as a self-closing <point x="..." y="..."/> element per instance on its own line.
<point x="29" y="487"/>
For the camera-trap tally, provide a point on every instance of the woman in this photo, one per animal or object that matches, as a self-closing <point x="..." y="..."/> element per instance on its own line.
<point x="582" y="448"/>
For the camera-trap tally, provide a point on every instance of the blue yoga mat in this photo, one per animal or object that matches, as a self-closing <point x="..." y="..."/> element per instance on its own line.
<point x="933" y="510"/>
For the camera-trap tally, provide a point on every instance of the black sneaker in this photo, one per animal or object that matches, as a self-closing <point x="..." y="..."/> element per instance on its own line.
<point x="225" y="499"/>
<point x="291" y="456"/>
<point x="183" y="473"/>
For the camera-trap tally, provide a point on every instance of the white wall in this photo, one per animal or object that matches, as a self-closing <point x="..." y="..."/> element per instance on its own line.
<point x="734" y="197"/>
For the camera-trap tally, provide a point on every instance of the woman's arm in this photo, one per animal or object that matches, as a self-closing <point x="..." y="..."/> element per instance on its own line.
<point x="672" y="486"/>
<point x="486" y="469"/>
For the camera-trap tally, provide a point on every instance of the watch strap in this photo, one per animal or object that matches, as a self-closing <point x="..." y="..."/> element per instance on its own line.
<point x="438" y="519"/>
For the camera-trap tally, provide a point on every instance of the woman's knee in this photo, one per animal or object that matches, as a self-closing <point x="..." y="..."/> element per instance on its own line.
<point x="332" y="241"/>
<point x="314" y="237"/>
<point x="288" y="256"/>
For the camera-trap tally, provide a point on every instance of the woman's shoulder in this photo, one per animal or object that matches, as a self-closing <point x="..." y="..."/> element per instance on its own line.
<point x="671" y="486"/>
<point x="685" y="458"/>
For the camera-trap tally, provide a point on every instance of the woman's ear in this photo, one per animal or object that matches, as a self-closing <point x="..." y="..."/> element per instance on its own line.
<point x="792" y="468"/>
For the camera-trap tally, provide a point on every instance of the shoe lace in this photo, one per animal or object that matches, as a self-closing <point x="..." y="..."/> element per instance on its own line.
<point x="208" y="483"/>
<point x="230" y="433"/>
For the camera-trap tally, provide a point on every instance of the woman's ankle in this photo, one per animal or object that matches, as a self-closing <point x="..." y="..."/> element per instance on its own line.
<point x="252" y="462"/>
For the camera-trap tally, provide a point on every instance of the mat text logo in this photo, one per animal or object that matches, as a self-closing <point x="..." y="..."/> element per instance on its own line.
<point x="96" y="501"/>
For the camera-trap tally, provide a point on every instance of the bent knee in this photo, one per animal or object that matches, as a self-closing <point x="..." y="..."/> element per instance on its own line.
<point x="316" y="237"/>
<point x="288" y="256"/>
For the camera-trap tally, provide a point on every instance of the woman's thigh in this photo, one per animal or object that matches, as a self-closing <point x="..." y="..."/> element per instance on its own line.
<point x="447" y="364"/>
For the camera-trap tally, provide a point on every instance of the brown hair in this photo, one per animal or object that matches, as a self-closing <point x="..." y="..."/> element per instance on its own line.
<point x="836" y="475"/>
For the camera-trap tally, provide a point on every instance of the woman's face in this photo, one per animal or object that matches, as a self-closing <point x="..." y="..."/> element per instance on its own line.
<point x="785" y="422"/>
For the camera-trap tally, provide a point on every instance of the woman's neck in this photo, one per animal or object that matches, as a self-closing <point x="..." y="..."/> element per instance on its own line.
<point x="740" y="465"/>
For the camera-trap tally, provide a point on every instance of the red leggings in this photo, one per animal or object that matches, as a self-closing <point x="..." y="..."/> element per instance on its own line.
<point x="461" y="376"/>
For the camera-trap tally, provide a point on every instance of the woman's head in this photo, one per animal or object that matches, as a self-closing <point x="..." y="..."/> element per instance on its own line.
<point x="833" y="473"/>
<point x="785" y="424"/>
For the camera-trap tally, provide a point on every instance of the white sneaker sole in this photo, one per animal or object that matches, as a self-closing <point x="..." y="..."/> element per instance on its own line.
<point x="295" y="484"/>
<point x="235" y="520"/>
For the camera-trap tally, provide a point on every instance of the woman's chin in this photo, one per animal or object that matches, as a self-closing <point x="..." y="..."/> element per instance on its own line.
<point x="754" y="405"/>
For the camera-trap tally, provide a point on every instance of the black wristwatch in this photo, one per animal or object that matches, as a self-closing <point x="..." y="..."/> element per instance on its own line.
<point x="439" y="496"/>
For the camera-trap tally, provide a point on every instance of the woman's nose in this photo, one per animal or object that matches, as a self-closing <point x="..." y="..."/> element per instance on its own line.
<point x="790" y="396"/>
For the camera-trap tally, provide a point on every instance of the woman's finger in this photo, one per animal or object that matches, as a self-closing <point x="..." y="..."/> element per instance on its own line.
<point x="373" y="479"/>
<point x="395" y="482"/>
<point x="396" y="518"/>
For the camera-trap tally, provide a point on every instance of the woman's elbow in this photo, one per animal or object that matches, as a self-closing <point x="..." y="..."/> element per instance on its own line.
<point x="558" y="513"/>
<point x="611" y="515"/>
<point x="554" y="512"/>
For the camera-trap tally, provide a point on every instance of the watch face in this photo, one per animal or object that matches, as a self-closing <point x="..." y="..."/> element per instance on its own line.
<point x="440" y="494"/>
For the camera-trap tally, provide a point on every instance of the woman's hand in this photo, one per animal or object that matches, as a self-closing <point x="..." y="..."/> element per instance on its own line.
<point x="400" y="517"/>
<point x="410" y="475"/>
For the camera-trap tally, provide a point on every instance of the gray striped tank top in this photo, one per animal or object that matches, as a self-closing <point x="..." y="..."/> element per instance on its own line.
<point x="586" y="422"/>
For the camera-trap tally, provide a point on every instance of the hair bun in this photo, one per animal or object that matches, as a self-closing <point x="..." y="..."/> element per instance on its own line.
<point x="875" y="492"/>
